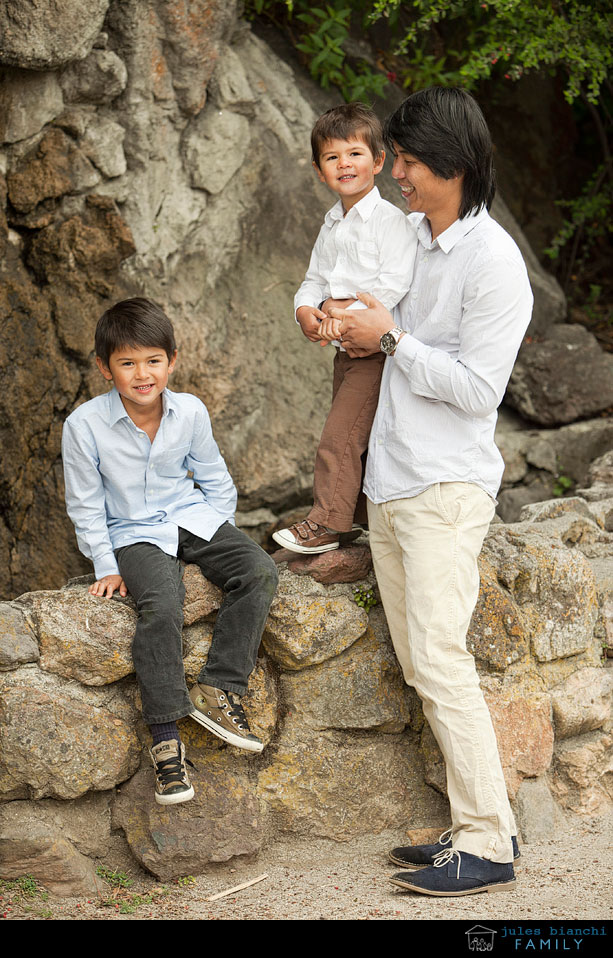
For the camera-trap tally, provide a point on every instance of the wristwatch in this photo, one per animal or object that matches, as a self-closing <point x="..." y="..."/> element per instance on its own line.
<point x="389" y="340"/>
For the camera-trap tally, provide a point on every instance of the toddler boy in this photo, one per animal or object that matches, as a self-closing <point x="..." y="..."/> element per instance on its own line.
<point x="146" y="487"/>
<point x="365" y="243"/>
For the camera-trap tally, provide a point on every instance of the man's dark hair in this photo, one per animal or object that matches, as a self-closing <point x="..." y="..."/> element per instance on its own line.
<point x="134" y="322"/>
<point x="444" y="128"/>
<point x="344" y="122"/>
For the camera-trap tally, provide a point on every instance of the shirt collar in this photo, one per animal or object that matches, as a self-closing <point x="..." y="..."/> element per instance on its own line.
<point x="452" y="235"/>
<point x="117" y="410"/>
<point x="363" y="208"/>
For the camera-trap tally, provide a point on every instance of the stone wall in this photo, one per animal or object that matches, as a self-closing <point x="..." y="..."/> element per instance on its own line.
<point x="159" y="148"/>
<point x="347" y="750"/>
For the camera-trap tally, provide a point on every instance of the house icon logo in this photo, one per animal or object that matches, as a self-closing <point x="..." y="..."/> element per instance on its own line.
<point x="480" y="938"/>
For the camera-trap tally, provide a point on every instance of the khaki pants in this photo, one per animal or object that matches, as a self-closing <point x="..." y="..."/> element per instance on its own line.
<point x="337" y="480"/>
<point x="425" y="553"/>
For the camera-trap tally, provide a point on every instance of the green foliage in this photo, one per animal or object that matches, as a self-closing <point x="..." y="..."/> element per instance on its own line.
<point x="494" y="37"/>
<point x="325" y="32"/>
<point x="23" y="894"/>
<point x="588" y="219"/>
<point x="186" y="881"/>
<point x="515" y="36"/>
<point x="22" y="889"/>
<point x="365" y="598"/>
<point x="114" y="877"/>
<point x="562" y="486"/>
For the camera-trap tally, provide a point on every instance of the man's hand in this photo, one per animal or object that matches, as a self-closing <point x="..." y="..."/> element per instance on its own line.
<point x="309" y="319"/>
<point x="362" y="329"/>
<point x="107" y="585"/>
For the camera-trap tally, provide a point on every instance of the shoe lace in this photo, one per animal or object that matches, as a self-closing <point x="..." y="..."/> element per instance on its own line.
<point x="170" y="771"/>
<point x="446" y="856"/>
<point x="237" y="713"/>
<point x="445" y="838"/>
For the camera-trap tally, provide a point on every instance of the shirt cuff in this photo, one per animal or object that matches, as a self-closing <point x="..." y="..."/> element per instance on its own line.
<point x="408" y="349"/>
<point x="105" y="566"/>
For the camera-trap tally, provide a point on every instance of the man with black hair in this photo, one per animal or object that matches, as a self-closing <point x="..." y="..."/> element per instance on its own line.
<point x="433" y="468"/>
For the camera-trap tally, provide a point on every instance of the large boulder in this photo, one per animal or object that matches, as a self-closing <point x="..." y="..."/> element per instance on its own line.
<point x="42" y="34"/>
<point x="563" y="378"/>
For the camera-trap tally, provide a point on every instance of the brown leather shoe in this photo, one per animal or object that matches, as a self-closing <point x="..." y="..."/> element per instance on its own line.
<point x="307" y="537"/>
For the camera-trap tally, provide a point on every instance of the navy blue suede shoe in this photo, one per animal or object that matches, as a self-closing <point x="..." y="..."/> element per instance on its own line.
<point x="414" y="857"/>
<point x="457" y="873"/>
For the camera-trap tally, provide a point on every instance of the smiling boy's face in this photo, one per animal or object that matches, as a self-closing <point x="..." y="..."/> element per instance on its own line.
<point x="140" y="376"/>
<point x="349" y="169"/>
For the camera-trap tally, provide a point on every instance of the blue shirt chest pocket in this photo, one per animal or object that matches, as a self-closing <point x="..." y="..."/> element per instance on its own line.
<point x="171" y="462"/>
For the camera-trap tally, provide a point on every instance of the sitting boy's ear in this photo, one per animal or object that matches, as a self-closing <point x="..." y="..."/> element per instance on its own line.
<point x="171" y="364"/>
<point x="106" y="372"/>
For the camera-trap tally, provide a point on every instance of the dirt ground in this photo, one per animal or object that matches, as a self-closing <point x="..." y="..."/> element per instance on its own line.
<point x="565" y="880"/>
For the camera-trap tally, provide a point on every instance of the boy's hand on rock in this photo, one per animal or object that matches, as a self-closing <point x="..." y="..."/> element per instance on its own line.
<point x="309" y="319"/>
<point x="107" y="585"/>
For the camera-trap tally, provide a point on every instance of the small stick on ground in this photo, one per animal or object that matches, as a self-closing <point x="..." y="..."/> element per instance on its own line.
<point x="230" y="891"/>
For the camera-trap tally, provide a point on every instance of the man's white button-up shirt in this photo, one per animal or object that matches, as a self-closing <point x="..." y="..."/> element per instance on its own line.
<point x="465" y="316"/>
<point x="370" y="249"/>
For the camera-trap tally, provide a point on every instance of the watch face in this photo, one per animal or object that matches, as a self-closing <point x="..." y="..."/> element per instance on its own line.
<point x="387" y="343"/>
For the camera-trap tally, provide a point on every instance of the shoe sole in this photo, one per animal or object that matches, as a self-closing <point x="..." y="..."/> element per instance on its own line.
<point x="304" y="550"/>
<point x="410" y="867"/>
<point x="176" y="798"/>
<point x="225" y="735"/>
<point x="499" y="886"/>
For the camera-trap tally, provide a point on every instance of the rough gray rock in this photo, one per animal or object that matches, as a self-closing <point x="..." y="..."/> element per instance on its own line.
<point x="28" y="101"/>
<point x="582" y="702"/>
<point x="305" y="629"/>
<point x="362" y="688"/>
<point x="99" y="78"/>
<point x="102" y="143"/>
<point x="564" y="378"/>
<point x="81" y="637"/>
<point x="57" y="740"/>
<point x="18" y="643"/>
<point x="539" y="817"/>
<point x="42" y="34"/>
<point x="223" y="820"/>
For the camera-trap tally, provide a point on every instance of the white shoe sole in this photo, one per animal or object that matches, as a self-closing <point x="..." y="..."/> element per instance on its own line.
<point x="225" y="735"/>
<point x="293" y="546"/>
<point x="176" y="798"/>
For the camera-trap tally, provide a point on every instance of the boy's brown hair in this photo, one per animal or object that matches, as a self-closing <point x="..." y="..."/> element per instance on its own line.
<point x="134" y="322"/>
<point x="344" y="122"/>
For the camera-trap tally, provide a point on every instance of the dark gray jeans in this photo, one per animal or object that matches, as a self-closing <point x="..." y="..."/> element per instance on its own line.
<point x="248" y="577"/>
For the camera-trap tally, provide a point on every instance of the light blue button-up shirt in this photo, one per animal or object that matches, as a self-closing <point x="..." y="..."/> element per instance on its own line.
<point x="121" y="488"/>
<point x="465" y="316"/>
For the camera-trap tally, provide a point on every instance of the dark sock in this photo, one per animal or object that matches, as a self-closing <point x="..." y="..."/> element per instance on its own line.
<point x="164" y="732"/>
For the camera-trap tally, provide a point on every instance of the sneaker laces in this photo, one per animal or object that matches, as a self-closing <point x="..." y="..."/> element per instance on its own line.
<point x="170" y="770"/>
<point x="237" y="713"/>
<point x="446" y="856"/>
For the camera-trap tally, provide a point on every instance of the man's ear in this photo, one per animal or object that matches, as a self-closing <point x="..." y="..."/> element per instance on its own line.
<point x="106" y="372"/>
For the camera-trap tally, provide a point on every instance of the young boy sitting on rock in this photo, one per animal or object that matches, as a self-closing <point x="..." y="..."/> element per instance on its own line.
<point x="366" y="244"/>
<point x="146" y="487"/>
